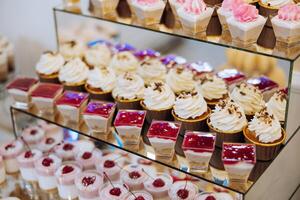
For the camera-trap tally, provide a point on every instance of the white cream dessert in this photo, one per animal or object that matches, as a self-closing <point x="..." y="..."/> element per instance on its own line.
<point x="66" y="151"/>
<point x="49" y="64"/>
<point x="124" y="61"/>
<point x="98" y="55"/>
<point x="105" y="7"/>
<point x="65" y="176"/>
<point x="9" y="152"/>
<point x="175" y="5"/>
<point x="88" y="184"/>
<point x="45" y="168"/>
<point x="87" y="159"/>
<point x="110" y="165"/>
<point x="213" y="196"/>
<point x="277" y="105"/>
<point x="71" y="49"/>
<point x="101" y="80"/>
<point x="2" y="171"/>
<point x="181" y="79"/>
<point x="139" y="195"/>
<point x="275" y="4"/>
<point x="49" y="143"/>
<point x="213" y="88"/>
<point x="113" y="191"/>
<point x="134" y="177"/>
<point x="33" y="135"/>
<point x="248" y="97"/>
<point x="182" y="190"/>
<point x="160" y="186"/>
<point x="26" y="162"/>
<point x="152" y="70"/>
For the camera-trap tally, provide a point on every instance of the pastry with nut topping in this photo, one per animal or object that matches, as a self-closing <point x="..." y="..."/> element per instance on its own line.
<point x="277" y="105"/>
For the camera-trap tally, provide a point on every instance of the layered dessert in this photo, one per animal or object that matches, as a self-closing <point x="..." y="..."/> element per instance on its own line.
<point x="71" y="49"/>
<point x="66" y="151"/>
<point x="2" y="171"/>
<point x="44" y="97"/>
<point x="109" y="164"/>
<point x="175" y="5"/>
<point x="277" y="105"/>
<point x="88" y="184"/>
<point x="198" y="148"/>
<point x="105" y="8"/>
<point x="124" y="61"/>
<point x="182" y="190"/>
<point x="158" y="186"/>
<point x="97" y="55"/>
<point x="158" y="101"/>
<point x="239" y="160"/>
<point x="162" y="136"/>
<point x="20" y="89"/>
<point x="113" y="191"/>
<point x="139" y="195"/>
<point x="9" y="152"/>
<point x="98" y="117"/>
<point x="45" y="168"/>
<point x="191" y="110"/>
<point x="200" y="69"/>
<point x="134" y="177"/>
<point x="232" y="77"/>
<point x="65" y="176"/>
<point x="265" y="85"/>
<point x="129" y="124"/>
<point x="87" y="159"/>
<point x="171" y="61"/>
<point x="33" y="135"/>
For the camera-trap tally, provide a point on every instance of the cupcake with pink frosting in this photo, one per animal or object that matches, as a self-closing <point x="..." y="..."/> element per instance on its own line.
<point x="286" y="25"/>
<point x="194" y="16"/>
<point x="245" y="25"/>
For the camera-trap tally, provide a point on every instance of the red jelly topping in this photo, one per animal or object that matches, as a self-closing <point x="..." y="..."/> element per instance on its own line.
<point x="198" y="142"/>
<point x="23" y="84"/>
<point x="183" y="193"/>
<point x="200" y="68"/>
<point x="9" y="146"/>
<point x="134" y="175"/>
<point x="210" y="197"/>
<point x="67" y="169"/>
<point x="99" y="108"/>
<point x="263" y="83"/>
<point x="47" y="162"/>
<point x="68" y="147"/>
<point x="231" y="75"/>
<point x="72" y="98"/>
<point x="50" y="141"/>
<point x="28" y="154"/>
<point x="284" y="90"/>
<point x="158" y="183"/>
<point x="33" y="132"/>
<point x="115" y="191"/>
<point x="234" y="153"/>
<point x="129" y="117"/>
<point x="109" y="164"/>
<point x="86" y="181"/>
<point x="139" y="198"/>
<point x="164" y="129"/>
<point x="86" y="155"/>
<point x="47" y="90"/>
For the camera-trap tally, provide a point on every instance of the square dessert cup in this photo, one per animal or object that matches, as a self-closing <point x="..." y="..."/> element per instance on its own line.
<point x="239" y="160"/>
<point x="265" y="85"/>
<point x="163" y="114"/>
<point x="232" y="77"/>
<point x="198" y="148"/>
<point x="162" y="136"/>
<point x="20" y="89"/>
<point x="70" y="105"/>
<point x="265" y="151"/>
<point x="98" y="116"/>
<point x="98" y="94"/>
<point x="105" y="8"/>
<point x="129" y="124"/>
<point x="44" y="97"/>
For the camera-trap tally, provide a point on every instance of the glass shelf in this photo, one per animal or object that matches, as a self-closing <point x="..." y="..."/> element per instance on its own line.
<point x="289" y="54"/>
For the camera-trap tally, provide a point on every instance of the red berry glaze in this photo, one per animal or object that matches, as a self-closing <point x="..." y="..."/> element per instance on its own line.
<point x="67" y="169"/>
<point x="139" y="198"/>
<point x="33" y="132"/>
<point x="86" y="155"/>
<point x="50" y="141"/>
<point x="89" y="180"/>
<point x="231" y="75"/>
<point x="198" y="142"/>
<point x="47" y="162"/>
<point x="47" y="90"/>
<point x="23" y="84"/>
<point x="115" y="191"/>
<point x="158" y="183"/>
<point x="234" y="152"/>
<point x="109" y="164"/>
<point x="68" y="147"/>
<point x="164" y="129"/>
<point x="134" y="175"/>
<point x="130" y="117"/>
<point x="99" y="108"/>
<point x="9" y="146"/>
<point x="72" y="98"/>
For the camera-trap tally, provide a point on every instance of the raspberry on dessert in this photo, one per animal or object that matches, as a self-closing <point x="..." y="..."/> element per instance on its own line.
<point x="68" y="147"/>
<point x="158" y="182"/>
<point x="130" y="117"/>
<point x="115" y="191"/>
<point x="210" y="197"/>
<point x="134" y="175"/>
<point x="86" y="155"/>
<point x="47" y="162"/>
<point x="139" y="198"/>
<point x="109" y="164"/>
<point x="183" y="193"/>
<point x="89" y="180"/>
<point x="67" y="169"/>
<point x="235" y="152"/>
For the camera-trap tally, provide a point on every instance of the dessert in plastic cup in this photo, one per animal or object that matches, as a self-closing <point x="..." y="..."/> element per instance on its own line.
<point x="227" y="120"/>
<point x="110" y="166"/>
<point x="20" y="89"/>
<point x="286" y="25"/>
<point x="139" y="195"/>
<point x="182" y="190"/>
<point x="277" y="105"/>
<point x="98" y="117"/>
<point x="213" y="196"/>
<point x="239" y="160"/>
<point x="171" y="61"/>
<point x="267" y="86"/>
<point x="198" y="148"/>
<point x="26" y="162"/>
<point x="124" y="61"/>
<point x="44" y="97"/>
<point x="194" y="16"/>
<point x="232" y="77"/>
<point x="65" y="176"/>
<point x="70" y="106"/>
<point x="129" y="124"/>
<point x="100" y="83"/>
<point x="134" y="177"/>
<point x="265" y="131"/>
<point x="200" y="69"/>
<point x="71" y="49"/>
<point x="48" y="66"/>
<point x="33" y="135"/>
<point x="66" y="150"/>
<point x="158" y="101"/>
<point x="45" y="168"/>
<point x="113" y="191"/>
<point x="105" y="8"/>
<point x="191" y="110"/>
<point x="88" y="184"/>
<point x="48" y="143"/>
<point x="129" y="91"/>
<point x="2" y="171"/>
<point x="87" y="159"/>
<point x="9" y="152"/>
<point x="162" y="136"/>
<point x="159" y="185"/>
<point x="245" y="25"/>
<point x="98" y="54"/>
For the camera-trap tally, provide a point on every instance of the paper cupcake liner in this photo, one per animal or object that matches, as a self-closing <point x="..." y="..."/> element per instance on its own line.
<point x="267" y="11"/>
<point x="105" y="96"/>
<point x="48" y="79"/>
<point x="164" y="114"/>
<point x="129" y="104"/>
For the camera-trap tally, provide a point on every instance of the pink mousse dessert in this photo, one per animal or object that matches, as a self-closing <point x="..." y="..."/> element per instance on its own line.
<point x="265" y="85"/>
<point x="129" y="124"/>
<point x="198" y="148"/>
<point x="88" y="184"/>
<point x="139" y="195"/>
<point x="200" y="69"/>
<point x="159" y="185"/>
<point x="66" y="151"/>
<point x="45" y="168"/>
<point x="162" y="136"/>
<point x="65" y="176"/>
<point x="9" y="152"/>
<point x="49" y="143"/>
<point x="87" y="159"/>
<point x="26" y="162"/>
<point x="134" y="177"/>
<point x="2" y="171"/>
<point x="113" y="191"/>
<point x="70" y="105"/>
<point x="98" y="117"/>
<point x="183" y="190"/>
<point x="232" y="77"/>
<point x="239" y="160"/>
<point x="110" y="166"/>
<point x="33" y="136"/>
<point x="43" y="97"/>
<point x="20" y="89"/>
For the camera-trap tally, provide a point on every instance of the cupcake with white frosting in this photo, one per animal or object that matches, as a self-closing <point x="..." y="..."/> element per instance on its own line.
<point x="73" y="74"/>
<point x="227" y="120"/>
<point x="152" y="70"/>
<point x="158" y="101"/>
<point x="124" y="61"/>
<point x="100" y="83"/>
<point x="265" y="131"/>
<point x="71" y="49"/>
<point x="48" y="66"/>
<point x="98" y="55"/>
<point x="277" y="105"/>
<point x="129" y="91"/>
